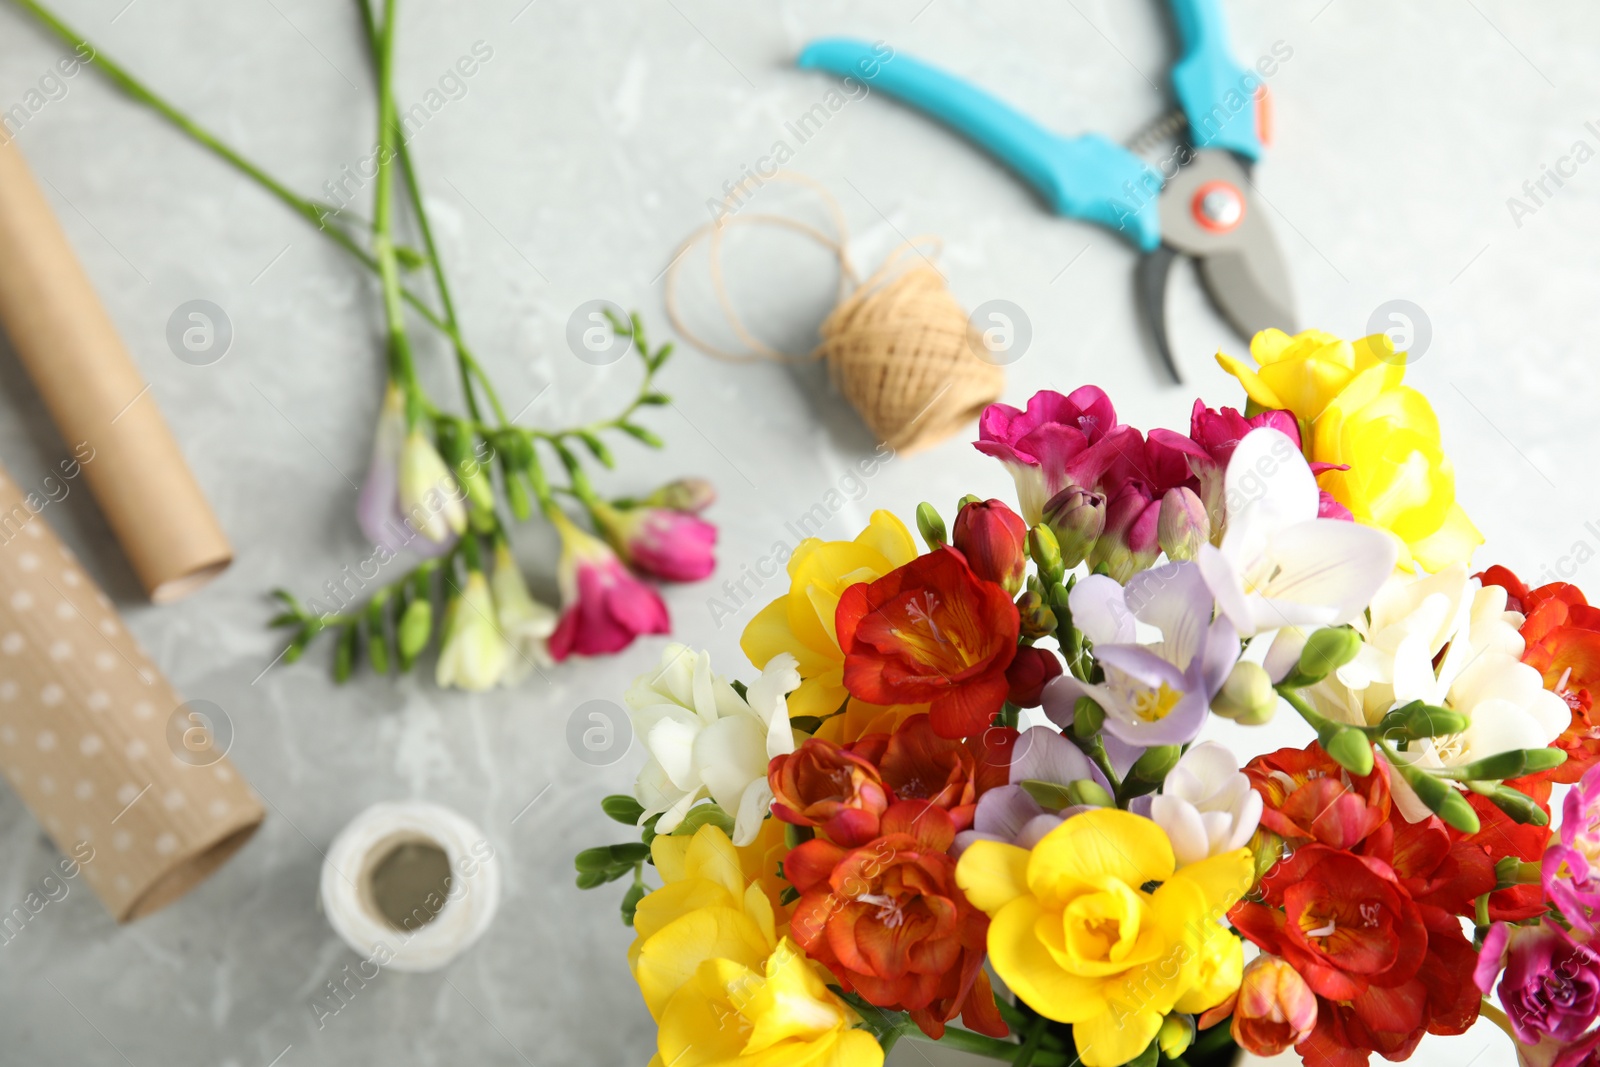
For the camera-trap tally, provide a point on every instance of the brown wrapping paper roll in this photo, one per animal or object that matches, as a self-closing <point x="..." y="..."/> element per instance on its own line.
<point x="95" y="740"/>
<point x="96" y="395"/>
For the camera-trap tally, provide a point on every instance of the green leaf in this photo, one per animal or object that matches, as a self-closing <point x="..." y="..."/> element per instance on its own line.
<point x="629" y="852"/>
<point x="597" y="448"/>
<point x="289" y="601"/>
<point x="568" y="460"/>
<point x="594" y="859"/>
<point x="659" y="359"/>
<point x="639" y="433"/>
<point x="620" y="807"/>
<point x="297" y="647"/>
<point x="344" y="656"/>
<point x="655" y="400"/>
<point x="592" y="879"/>
<point x="287" y="618"/>
<point x="630" y="902"/>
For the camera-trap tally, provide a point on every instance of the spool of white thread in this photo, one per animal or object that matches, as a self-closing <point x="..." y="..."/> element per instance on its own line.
<point x="443" y="923"/>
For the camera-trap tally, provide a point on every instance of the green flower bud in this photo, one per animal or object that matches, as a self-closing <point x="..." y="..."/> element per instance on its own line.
<point x="1087" y="718"/>
<point x="1327" y="650"/>
<point x="1077" y="517"/>
<point x="931" y="526"/>
<point x="1247" y="696"/>
<point x="1350" y="749"/>
<point x="1156" y="762"/>
<point x="1037" y="618"/>
<point x="1176" y="1035"/>
<point x="416" y="625"/>
<point x="1512" y="764"/>
<point x="1416" y="720"/>
<point x="1519" y="806"/>
<point x="1046" y="553"/>
<point x="1088" y="792"/>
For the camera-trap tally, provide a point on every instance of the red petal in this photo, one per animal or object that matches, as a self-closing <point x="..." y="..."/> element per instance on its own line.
<point x="970" y="709"/>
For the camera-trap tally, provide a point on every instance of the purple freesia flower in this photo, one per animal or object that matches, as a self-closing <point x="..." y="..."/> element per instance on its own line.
<point x="1007" y="813"/>
<point x="1158" y="694"/>
<point x="378" y="509"/>
<point x="1551" y="984"/>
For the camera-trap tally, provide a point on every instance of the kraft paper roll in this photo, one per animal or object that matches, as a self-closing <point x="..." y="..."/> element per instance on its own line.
<point x="125" y="777"/>
<point x="96" y="396"/>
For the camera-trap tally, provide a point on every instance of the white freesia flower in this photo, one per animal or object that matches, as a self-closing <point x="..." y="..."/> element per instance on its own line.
<point x="524" y="622"/>
<point x="1206" y="805"/>
<point x="1446" y="640"/>
<point x="704" y="739"/>
<point x="1278" y="564"/>
<point x="473" y="654"/>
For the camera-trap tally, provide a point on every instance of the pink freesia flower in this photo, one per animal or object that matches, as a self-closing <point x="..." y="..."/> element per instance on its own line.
<point x="1551" y="984"/>
<point x="664" y="543"/>
<point x="1569" y="872"/>
<point x="1218" y="432"/>
<point x="1058" y="442"/>
<point x="603" y="606"/>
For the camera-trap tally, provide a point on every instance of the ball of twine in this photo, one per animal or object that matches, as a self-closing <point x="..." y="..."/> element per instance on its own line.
<point x="899" y="347"/>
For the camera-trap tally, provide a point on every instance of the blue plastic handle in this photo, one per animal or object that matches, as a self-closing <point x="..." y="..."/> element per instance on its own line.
<point x="1087" y="177"/>
<point x="1217" y="94"/>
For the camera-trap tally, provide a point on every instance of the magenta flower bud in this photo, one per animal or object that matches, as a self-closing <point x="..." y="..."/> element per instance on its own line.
<point x="1128" y="544"/>
<point x="1182" y="526"/>
<point x="692" y="495"/>
<point x="1077" y="517"/>
<point x="671" y="545"/>
<point x="603" y="606"/>
<point x="995" y="541"/>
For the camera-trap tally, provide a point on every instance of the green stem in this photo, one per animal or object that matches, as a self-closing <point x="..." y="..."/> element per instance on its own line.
<point x="1495" y="1015"/>
<point x="383" y="210"/>
<point x="1030" y="1045"/>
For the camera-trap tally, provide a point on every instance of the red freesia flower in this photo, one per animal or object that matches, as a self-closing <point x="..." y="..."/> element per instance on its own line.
<point x="1367" y="909"/>
<point x="930" y="632"/>
<point x="1562" y="634"/>
<point x="918" y="764"/>
<point x="829" y="787"/>
<point x="1306" y="796"/>
<point x="889" y="921"/>
<point x="1500" y="836"/>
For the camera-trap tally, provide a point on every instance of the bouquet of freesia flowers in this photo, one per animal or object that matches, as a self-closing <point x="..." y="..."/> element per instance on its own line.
<point x="878" y="836"/>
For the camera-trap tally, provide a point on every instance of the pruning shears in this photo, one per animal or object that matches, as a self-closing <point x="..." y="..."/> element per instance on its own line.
<point x="1205" y="208"/>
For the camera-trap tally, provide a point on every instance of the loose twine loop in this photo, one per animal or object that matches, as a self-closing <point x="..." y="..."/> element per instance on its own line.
<point x="898" y="345"/>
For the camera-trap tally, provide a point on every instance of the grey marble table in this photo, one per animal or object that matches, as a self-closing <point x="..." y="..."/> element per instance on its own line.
<point x="565" y="169"/>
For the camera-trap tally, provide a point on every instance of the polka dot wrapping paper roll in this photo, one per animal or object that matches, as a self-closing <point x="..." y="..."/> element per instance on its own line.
<point x="127" y="779"/>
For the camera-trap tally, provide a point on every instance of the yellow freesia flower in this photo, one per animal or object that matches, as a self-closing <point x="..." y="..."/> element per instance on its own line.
<point x="723" y="983"/>
<point x="1354" y="411"/>
<point x="801" y="623"/>
<point x="778" y="1014"/>
<point x="1097" y="927"/>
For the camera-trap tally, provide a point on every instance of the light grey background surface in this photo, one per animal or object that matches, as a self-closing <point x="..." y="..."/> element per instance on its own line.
<point x="580" y="154"/>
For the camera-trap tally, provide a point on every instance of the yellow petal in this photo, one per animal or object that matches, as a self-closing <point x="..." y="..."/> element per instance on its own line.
<point x="769" y="633"/>
<point x="1024" y="964"/>
<point x="992" y="874"/>
<point x="1453" y="542"/>
<point x="1223" y="880"/>
<point x="1254" y="387"/>
<point x="1105" y="843"/>
<point x="1218" y="975"/>
<point x="694" y="1023"/>
<point x="1112" y="1038"/>
<point x="854" y="1048"/>
<point x="712" y="856"/>
<point x="670" y="957"/>
<point x="669" y="852"/>
<point x="888" y="537"/>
